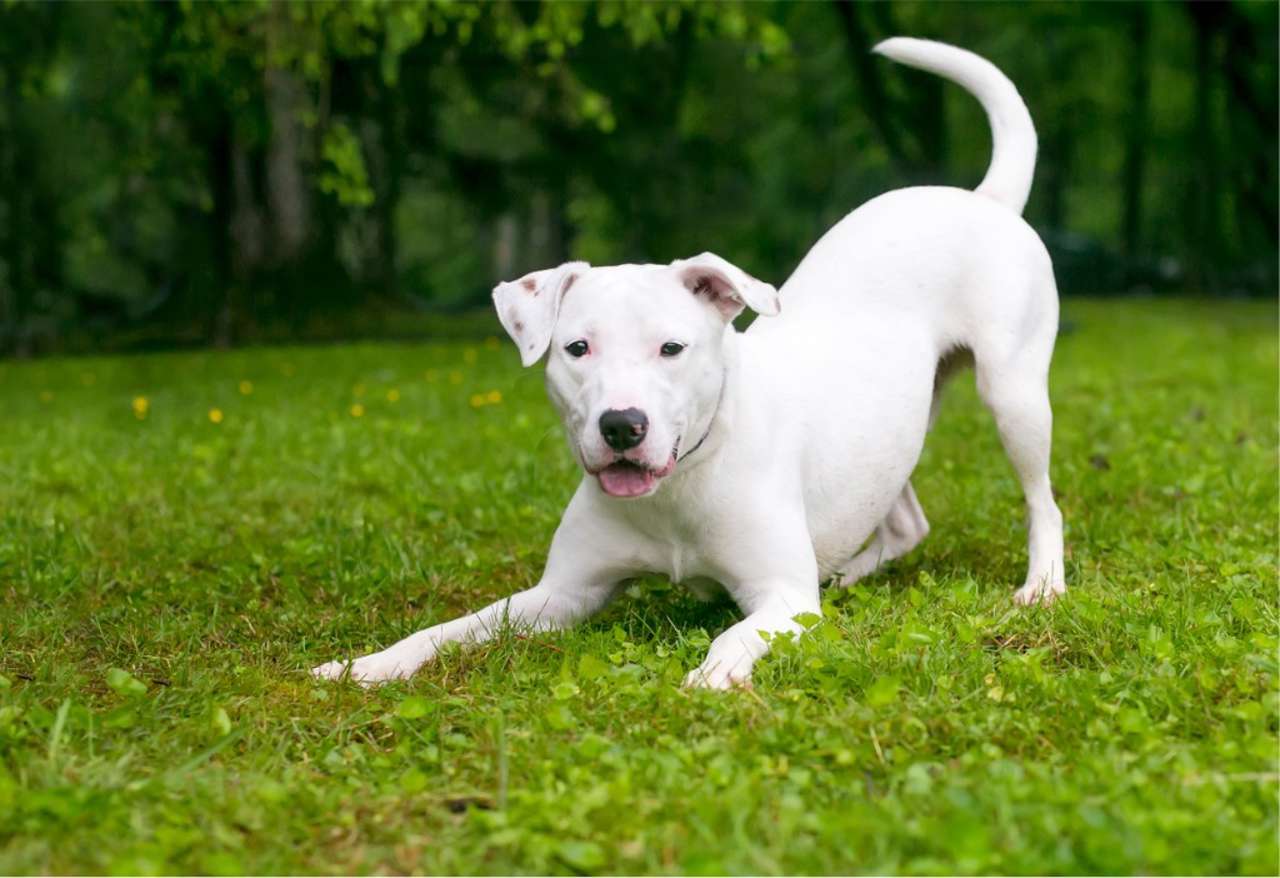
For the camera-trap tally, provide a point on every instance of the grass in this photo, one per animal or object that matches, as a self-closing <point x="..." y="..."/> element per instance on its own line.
<point x="165" y="581"/>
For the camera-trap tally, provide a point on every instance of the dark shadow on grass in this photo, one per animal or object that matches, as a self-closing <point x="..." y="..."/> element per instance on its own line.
<point x="653" y="607"/>
<point x="991" y="565"/>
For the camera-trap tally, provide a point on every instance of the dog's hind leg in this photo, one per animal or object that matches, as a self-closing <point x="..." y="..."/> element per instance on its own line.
<point x="1015" y="389"/>
<point x="900" y="532"/>
<point x="905" y="526"/>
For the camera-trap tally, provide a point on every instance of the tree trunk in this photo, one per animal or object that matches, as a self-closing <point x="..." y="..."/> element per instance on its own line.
<point x="391" y="140"/>
<point x="219" y="300"/>
<point x="1060" y="146"/>
<point x="876" y="100"/>
<point x="286" y="184"/>
<point x="14" y="302"/>
<point x="1205" y="213"/>
<point x="1252" y="114"/>
<point x="1136" y="133"/>
<point x="248" y="230"/>
<point x="505" y="243"/>
<point x="918" y="150"/>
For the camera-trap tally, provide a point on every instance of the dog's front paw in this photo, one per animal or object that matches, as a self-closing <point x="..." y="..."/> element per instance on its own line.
<point x="718" y="675"/>
<point x="367" y="671"/>
<point x="1040" y="591"/>
<point x="330" y="670"/>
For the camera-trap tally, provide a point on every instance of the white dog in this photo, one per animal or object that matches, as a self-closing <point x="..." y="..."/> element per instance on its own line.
<point x="764" y="460"/>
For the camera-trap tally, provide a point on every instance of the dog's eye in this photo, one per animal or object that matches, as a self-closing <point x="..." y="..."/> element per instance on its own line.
<point x="672" y="349"/>
<point x="577" y="348"/>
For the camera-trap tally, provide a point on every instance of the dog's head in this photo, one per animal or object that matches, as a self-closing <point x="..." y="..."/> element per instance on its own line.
<point x="637" y="356"/>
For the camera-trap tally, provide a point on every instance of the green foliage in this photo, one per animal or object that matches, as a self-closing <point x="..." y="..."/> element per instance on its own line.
<point x="196" y="171"/>
<point x="125" y="683"/>
<point x="167" y="578"/>
<point x="345" y="176"/>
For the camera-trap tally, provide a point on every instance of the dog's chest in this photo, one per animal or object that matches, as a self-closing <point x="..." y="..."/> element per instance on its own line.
<point x="679" y="556"/>
<point x="677" y="546"/>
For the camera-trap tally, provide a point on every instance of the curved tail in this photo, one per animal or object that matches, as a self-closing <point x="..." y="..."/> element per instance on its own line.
<point x="1013" y="137"/>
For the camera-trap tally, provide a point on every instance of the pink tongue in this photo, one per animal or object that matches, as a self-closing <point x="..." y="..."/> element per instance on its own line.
<point x="625" y="480"/>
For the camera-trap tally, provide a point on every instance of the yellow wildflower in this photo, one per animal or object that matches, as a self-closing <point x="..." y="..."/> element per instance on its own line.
<point x="246" y="387"/>
<point x="469" y="356"/>
<point x="393" y="395"/>
<point x="141" y="405"/>
<point x="357" y="411"/>
<point x="215" y="415"/>
<point x="455" y="377"/>
<point x="493" y="397"/>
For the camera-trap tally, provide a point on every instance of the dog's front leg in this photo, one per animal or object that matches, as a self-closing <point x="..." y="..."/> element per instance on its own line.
<point x="548" y="605"/>
<point x="774" y="611"/>
<point x="582" y="574"/>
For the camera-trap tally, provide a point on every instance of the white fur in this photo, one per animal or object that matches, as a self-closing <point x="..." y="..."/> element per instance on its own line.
<point x="796" y="439"/>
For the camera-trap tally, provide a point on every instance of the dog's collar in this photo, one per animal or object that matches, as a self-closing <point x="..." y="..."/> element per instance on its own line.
<point x="724" y="382"/>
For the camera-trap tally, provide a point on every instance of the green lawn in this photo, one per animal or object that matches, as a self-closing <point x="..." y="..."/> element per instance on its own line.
<point x="165" y="582"/>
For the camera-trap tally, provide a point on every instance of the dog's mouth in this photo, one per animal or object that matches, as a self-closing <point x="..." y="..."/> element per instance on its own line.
<point x="630" y="478"/>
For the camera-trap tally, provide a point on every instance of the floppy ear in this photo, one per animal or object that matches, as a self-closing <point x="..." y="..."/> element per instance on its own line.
<point x="726" y="286"/>
<point x="528" y="307"/>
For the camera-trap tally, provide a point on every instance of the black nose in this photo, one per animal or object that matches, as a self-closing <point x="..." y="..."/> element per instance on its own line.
<point x="623" y="429"/>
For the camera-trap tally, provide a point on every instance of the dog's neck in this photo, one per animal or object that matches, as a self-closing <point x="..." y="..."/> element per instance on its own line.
<point x="724" y="381"/>
<point x="714" y="433"/>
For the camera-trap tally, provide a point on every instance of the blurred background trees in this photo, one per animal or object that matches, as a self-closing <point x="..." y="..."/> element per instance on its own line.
<point x="204" y="173"/>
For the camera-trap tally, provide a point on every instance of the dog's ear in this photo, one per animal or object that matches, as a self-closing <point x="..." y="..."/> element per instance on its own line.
<point x="726" y="286"/>
<point x="528" y="307"/>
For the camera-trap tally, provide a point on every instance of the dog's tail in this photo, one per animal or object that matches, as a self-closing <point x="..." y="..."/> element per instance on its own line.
<point x="1013" y="137"/>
